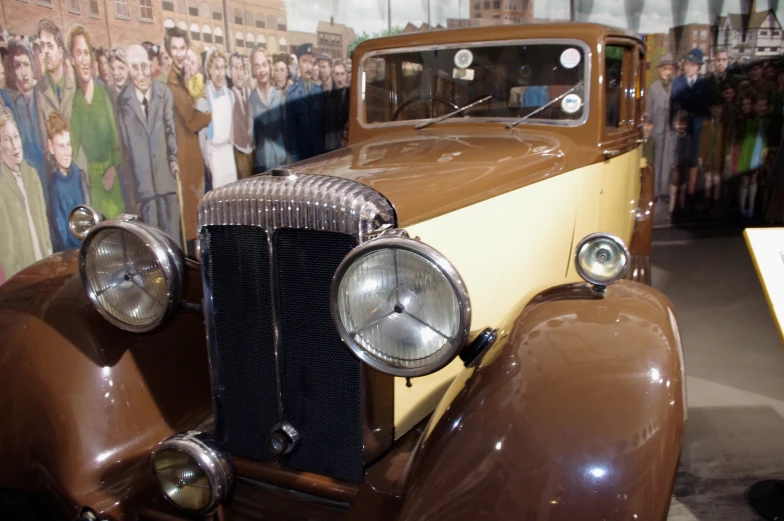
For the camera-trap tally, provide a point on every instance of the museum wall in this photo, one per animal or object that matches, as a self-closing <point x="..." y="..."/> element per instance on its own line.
<point x="141" y="106"/>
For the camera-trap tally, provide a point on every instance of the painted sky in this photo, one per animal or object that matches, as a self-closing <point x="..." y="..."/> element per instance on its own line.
<point x="370" y="15"/>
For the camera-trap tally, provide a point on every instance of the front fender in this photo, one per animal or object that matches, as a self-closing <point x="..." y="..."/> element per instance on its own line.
<point x="83" y="402"/>
<point x="577" y="412"/>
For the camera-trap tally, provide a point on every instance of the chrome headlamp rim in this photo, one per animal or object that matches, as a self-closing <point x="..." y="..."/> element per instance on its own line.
<point x="400" y="240"/>
<point x="95" y="215"/>
<point x="167" y="253"/>
<point x="210" y="456"/>
<point x="612" y="238"/>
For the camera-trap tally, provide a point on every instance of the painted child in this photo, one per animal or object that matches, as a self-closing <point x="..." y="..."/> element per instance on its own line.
<point x="65" y="185"/>
<point x="681" y="163"/>
<point x="751" y="154"/>
<point x="713" y="151"/>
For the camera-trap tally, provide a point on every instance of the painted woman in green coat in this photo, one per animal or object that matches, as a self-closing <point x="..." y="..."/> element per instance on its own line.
<point x="93" y="128"/>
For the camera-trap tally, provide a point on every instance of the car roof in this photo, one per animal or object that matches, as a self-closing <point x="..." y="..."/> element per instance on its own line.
<point x="588" y="32"/>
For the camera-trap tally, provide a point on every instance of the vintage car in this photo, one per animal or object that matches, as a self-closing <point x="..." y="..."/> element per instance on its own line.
<point x="447" y="319"/>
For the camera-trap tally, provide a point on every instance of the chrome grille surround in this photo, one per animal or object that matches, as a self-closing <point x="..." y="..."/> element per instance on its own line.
<point x="313" y="202"/>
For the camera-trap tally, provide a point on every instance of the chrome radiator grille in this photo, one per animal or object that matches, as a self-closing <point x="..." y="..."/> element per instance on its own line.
<point x="270" y="246"/>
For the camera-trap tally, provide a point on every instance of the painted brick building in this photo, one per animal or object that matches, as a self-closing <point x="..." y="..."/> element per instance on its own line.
<point x="111" y="23"/>
<point x="503" y="11"/>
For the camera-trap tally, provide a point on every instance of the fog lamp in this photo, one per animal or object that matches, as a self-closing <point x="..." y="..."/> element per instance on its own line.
<point x="193" y="472"/>
<point x="602" y="259"/>
<point x="82" y="219"/>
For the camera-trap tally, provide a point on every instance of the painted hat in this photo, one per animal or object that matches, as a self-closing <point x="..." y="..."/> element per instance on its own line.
<point x="665" y="59"/>
<point x="695" y="56"/>
<point x="302" y="50"/>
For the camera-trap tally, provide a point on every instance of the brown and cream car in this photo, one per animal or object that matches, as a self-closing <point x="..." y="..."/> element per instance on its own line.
<point x="448" y="319"/>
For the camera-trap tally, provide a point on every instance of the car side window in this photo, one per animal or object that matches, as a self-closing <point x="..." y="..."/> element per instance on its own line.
<point x="613" y="85"/>
<point x="622" y="87"/>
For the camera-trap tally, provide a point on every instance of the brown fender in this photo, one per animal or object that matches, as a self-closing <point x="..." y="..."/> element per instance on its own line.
<point x="83" y="402"/>
<point x="576" y="413"/>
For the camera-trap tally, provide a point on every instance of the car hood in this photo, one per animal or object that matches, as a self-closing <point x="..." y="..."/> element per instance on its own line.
<point x="429" y="173"/>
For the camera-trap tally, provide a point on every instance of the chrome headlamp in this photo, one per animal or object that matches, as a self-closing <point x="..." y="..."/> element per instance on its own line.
<point x="193" y="472"/>
<point x="602" y="259"/>
<point x="82" y="219"/>
<point x="400" y="306"/>
<point x="133" y="273"/>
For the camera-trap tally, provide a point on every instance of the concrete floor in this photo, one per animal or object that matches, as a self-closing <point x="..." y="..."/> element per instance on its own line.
<point x="735" y="373"/>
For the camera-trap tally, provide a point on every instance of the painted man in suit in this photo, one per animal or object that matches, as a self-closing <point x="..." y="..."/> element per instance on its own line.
<point x="692" y="93"/>
<point x="188" y="122"/>
<point x="336" y="107"/>
<point x="658" y="100"/>
<point x="243" y="145"/>
<point x="146" y="118"/>
<point x="305" y="110"/>
<point x="55" y="90"/>
<point x="24" y="233"/>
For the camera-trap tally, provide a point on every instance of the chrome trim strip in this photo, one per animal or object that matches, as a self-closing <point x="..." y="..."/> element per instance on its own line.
<point x="587" y="56"/>
<point x="307" y="201"/>
<point x="399" y="240"/>
<point x="273" y="270"/>
<point x="210" y="456"/>
<point x="212" y="346"/>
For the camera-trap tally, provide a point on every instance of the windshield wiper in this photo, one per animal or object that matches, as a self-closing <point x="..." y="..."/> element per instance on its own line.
<point x="458" y="111"/>
<point x="540" y="109"/>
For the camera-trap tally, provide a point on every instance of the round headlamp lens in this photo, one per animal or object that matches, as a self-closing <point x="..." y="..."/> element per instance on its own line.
<point x="602" y="259"/>
<point x="182" y="480"/>
<point x="132" y="273"/>
<point x="401" y="311"/>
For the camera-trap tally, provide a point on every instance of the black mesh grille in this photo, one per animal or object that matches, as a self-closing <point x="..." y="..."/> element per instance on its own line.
<point x="321" y="378"/>
<point x="238" y="268"/>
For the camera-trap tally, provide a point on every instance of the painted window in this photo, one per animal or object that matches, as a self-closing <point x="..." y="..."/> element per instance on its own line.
<point x="121" y="9"/>
<point x="145" y="10"/>
<point x="248" y="18"/>
<point x="195" y="33"/>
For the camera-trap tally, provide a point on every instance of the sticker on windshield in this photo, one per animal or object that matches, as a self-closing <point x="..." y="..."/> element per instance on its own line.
<point x="463" y="74"/>
<point x="464" y="58"/>
<point x="570" y="58"/>
<point x="571" y="103"/>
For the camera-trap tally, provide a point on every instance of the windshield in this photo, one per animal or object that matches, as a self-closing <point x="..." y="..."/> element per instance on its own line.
<point x="521" y="78"/>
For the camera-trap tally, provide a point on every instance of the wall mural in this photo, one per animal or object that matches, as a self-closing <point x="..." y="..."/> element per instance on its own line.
<point x="141" y="106"/>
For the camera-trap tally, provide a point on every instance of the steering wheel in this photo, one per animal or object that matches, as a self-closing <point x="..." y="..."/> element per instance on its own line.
<point x="419" y="99"/>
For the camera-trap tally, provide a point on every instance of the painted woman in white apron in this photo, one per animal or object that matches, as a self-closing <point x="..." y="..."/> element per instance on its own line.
<point x="217" y="140"/>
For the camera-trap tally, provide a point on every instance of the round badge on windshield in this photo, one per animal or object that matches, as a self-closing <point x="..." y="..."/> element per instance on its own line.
<point x="571" y="103"/>
<point x="464" y="58"/>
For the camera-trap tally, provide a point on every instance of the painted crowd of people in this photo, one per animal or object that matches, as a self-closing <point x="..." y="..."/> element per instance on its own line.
<point x="715" y="138"/>
<point x="146" y="129"/>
